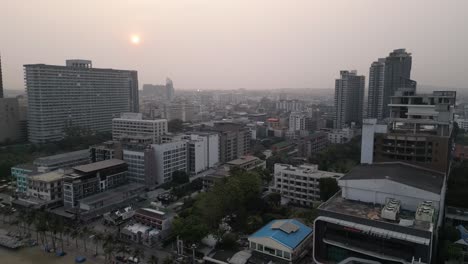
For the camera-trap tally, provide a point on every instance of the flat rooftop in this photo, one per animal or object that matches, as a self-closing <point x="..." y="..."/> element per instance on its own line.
<point x="99" y="165"/>
<point x="116" y="194"/>
<point x="242" y="160"/>
<point x="404" y="173"/>
<point x="67" y="155"/>
<point x="338" y="204"/>
<point x="49" y="176"/>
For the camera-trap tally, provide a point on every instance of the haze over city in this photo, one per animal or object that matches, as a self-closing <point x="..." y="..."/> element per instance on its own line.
<point x="209" y="44"/>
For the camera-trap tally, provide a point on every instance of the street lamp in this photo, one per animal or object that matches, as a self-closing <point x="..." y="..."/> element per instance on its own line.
<point x="193" y="253"/>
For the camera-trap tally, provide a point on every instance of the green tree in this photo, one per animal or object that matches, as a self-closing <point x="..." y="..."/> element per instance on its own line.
<point x="180" y="177"/>
<point x="153" y="260"/>
<point x="175" y="125"/>
<point x="328" y="187"/>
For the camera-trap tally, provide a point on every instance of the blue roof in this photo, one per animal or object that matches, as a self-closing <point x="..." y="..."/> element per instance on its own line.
<point x="290" y="240"/>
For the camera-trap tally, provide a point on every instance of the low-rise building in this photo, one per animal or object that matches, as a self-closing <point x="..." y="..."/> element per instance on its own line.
<point x="247" y="163"/>
<point x="21" y="173"/>
<point x="46" y="186"/>
<point x="385" y="213"/>
<point x="461" y="152"/>
<point x="140" y="234"/>
<point x="154" y="218"/>
<point x="341" y="136"/>
<point x="64" y="160"/>
<point x="300" y="185"/>
<point x="131" y="125"/>
<point x="281" y="241"/>
<point x="89" y="179"/>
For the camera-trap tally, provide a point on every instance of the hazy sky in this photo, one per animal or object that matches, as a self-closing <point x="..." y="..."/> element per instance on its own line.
<point x="253" y="44"/>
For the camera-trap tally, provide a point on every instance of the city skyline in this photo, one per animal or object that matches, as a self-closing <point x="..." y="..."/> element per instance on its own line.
<point x="210" y="45"/>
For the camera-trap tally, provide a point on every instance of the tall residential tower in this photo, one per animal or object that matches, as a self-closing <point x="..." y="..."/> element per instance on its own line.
<point x="1" y="80"/>
<point x="386" y="76"/>
<point x="76" y="95"/>
<point x="349" y="98"/>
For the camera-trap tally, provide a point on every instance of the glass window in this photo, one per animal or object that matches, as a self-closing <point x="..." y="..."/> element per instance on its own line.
<point x="259" y="247"/>
<point x="253" y="245"/>
<point x="279" y="253"/>
<point x="287" y="255"/>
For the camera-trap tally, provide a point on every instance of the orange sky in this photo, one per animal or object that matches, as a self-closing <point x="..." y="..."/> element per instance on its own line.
<point x="253" y="44"/>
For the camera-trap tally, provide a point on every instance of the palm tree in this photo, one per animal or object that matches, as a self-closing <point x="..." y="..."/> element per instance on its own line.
<point x="96" y="238"/>
<point x="29" y="219"/>
<point x="75" y="234"/>
<point x="123" y="249"/>
<point x="84" y="235"/>
<point x="153" y="260"/>
<point x="109" y="246"/>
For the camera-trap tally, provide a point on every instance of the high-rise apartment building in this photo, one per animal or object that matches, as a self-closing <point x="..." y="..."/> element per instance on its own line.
<point x="132" y="125"/>
<point x="386" y="76"/>
<point x="418" y="131"/>
<point x="1" y="79"/>
<point x="349" y="98"/>
<point x="76" y="95"/>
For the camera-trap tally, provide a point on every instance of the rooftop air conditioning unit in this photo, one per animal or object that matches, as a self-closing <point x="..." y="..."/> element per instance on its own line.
<point x="391" y="209"/>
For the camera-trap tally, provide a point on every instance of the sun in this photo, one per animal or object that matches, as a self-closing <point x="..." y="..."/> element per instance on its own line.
<point x="135" y="39"/>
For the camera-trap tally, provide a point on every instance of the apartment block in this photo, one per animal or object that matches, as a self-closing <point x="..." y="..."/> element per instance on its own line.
<point x="170" y="157"/>
<point x="132" y="126"/>
<point x="300" y="184"/>
<point x="418" y="131"/>
<point x="76" y="95"/>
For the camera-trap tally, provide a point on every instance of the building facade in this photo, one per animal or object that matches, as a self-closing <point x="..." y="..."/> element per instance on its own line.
<point x="90" y="179"/>
<point x="234" y="140"/>
<point x="1" y="79"/>
<point x="132" y="126"/>
<point x="247" y="163"/>
<point x="21" y="173"/>
<point x="385" y="213"/>
<point x="418" y="131"/>
<point x="386" y="76"/>
<point x="170" y="157"/>
<point x="46" y="186"/>
<point x="105" y="151"/>
<point x="300" y="185"/>
<point x="349" y="99"/>
<point x="76" y="95"/>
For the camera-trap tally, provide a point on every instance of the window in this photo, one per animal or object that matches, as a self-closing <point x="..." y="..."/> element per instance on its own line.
<point x="287" y="255"/>
<point x="270" y="250"/>
<point x="279" y="253"/>
<point x="259" y="247"/>
<point x="253" y="245"/>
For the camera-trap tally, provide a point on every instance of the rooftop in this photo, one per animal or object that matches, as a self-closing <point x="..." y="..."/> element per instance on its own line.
<point x="67" y="155"/>
<point x="282" y="144"/>
<point x="309" y="169"/>
<point x="369" y="211"/>
<point x="404" y="173"/>
<point x="26" y="166"/>
<point x="49" y="176"/>
<point x="242" y="160"/>
<point x="99" y="165"/>
<point x="115" y="194"/>
<point x="288" y="232"/>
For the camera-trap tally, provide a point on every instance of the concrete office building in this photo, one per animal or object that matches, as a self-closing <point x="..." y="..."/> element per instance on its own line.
<point x="76" y="95"/>
<point x="141" y="165"/>
<point x="90" y="179"/>
<point x="341" y="136"/>
<point x="247" y="163"/>
<point x="290" y="105"/>
<point x="64" y="160"/>
<point x="386" y="76"/>
<point x="385" y="213"/>
<point x="170" y="157"/>
<point x="234" y="140"/>
<point x="203" y="152"/>
<point x="132" y="126"/>
<point x="349" y="99"/>
<point x="418" y="131"/>
<point x="300" y="185"/>
<point x="300" y="121"/>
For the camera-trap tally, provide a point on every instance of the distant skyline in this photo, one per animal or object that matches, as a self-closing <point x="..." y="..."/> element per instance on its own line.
<point x="251" y="44"/>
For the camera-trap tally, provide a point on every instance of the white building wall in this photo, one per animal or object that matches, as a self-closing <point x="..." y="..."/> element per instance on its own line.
<point x="170" y="157"/>
<point x="378" y="191"/>
<point x="213" y="150"/>
<point x="369" y="128"/>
